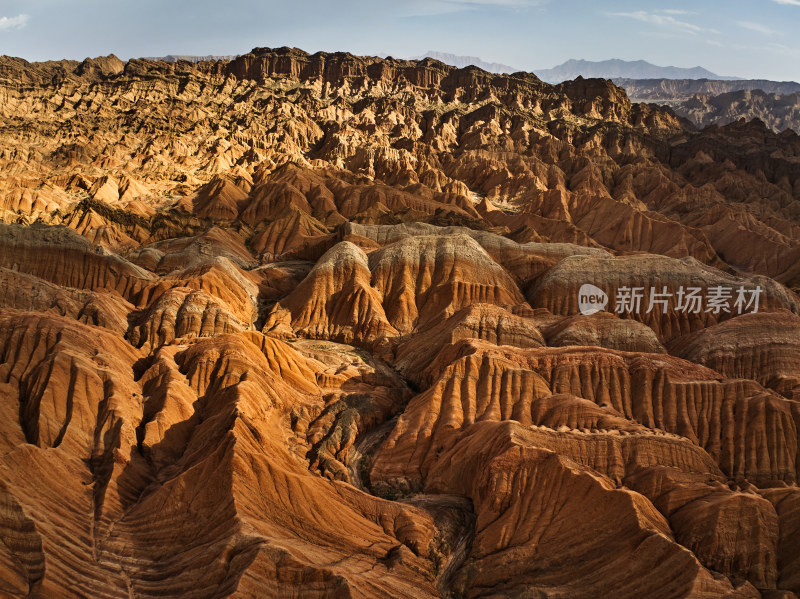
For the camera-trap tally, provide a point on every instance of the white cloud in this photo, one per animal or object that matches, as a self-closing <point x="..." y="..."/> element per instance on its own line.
<point x="759" y="28"/>
<point x="789" y="2"/>
<point x="664" y="20"/>
<point x="18" y="22"/>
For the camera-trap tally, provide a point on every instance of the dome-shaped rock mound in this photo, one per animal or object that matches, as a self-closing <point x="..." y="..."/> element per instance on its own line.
<point x="420" y="278"/>
<point x="764" y="347"/>
<point x="335" y="301"/>
<point x="604" y="330"/>
<point x="668" y="295"/>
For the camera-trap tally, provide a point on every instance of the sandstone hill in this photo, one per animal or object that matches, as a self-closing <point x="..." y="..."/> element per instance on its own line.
<point x="298" y="325"/>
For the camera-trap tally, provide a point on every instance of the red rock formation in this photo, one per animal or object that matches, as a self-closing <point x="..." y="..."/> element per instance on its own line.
<point x="336" y="301"/>
<point x="762" y="347"/>
<point x="604" y="330"/>
<point x="308" y="325"/>
<point x="558" y="291"/>
<point x="731" y="531"/>
<point x="749" y="431"/>
<point x="66" y="259"/>
<point x="181" y="312"/>
<point x="534" y="506"/>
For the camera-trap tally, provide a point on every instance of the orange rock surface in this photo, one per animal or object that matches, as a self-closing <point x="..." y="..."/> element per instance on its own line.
<point x="299" y="325"/>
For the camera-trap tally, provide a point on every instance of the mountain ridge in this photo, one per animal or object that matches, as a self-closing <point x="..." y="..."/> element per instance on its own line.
<point x="191" y="58"/>
<point x="465" y="61"/>
<point x="617" y="68"/>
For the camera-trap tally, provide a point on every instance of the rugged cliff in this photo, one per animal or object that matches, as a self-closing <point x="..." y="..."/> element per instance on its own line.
<point x="710" y="102"/>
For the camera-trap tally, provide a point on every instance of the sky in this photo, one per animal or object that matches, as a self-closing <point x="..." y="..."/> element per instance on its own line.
<point x="752" y="39"/>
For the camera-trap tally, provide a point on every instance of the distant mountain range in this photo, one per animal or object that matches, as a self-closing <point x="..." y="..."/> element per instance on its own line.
<point x="465" y="61"/>
<point x="622" y="69"/>
<point x="179" y="57"/>
<point x="604" y="69"/>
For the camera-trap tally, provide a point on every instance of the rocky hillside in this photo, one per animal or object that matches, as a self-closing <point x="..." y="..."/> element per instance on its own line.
<point x="310" y="325"/>
<point x="778" y="112"/>
<point x="682" y="89"/>
<point x="708" y="102"/>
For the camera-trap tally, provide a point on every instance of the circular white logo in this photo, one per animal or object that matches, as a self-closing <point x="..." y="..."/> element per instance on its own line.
<point x="591" y="299"/>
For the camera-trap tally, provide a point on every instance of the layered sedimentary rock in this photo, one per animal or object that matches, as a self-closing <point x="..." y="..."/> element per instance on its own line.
<point x="64" y="258"/>
<point x="749" y="431"/>
<point x="761" y="346"/>
<point x="478" y="321"/>
<point x="312" y="325"/>
<point x="734" y="530"/>
<point x="335" y="301"/>
<point x="604" y="330"/>
<point x="27" y="292"/>
<point x="648" y="289"/>
<point x="181" y="312"/>
<point x="534" y="506"/>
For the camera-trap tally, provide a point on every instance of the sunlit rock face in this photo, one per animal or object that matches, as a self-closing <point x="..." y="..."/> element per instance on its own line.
<point x="301" y="325"/>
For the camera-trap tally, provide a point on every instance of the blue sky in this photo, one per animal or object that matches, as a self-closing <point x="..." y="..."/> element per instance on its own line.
<point x="755" y="39"/>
